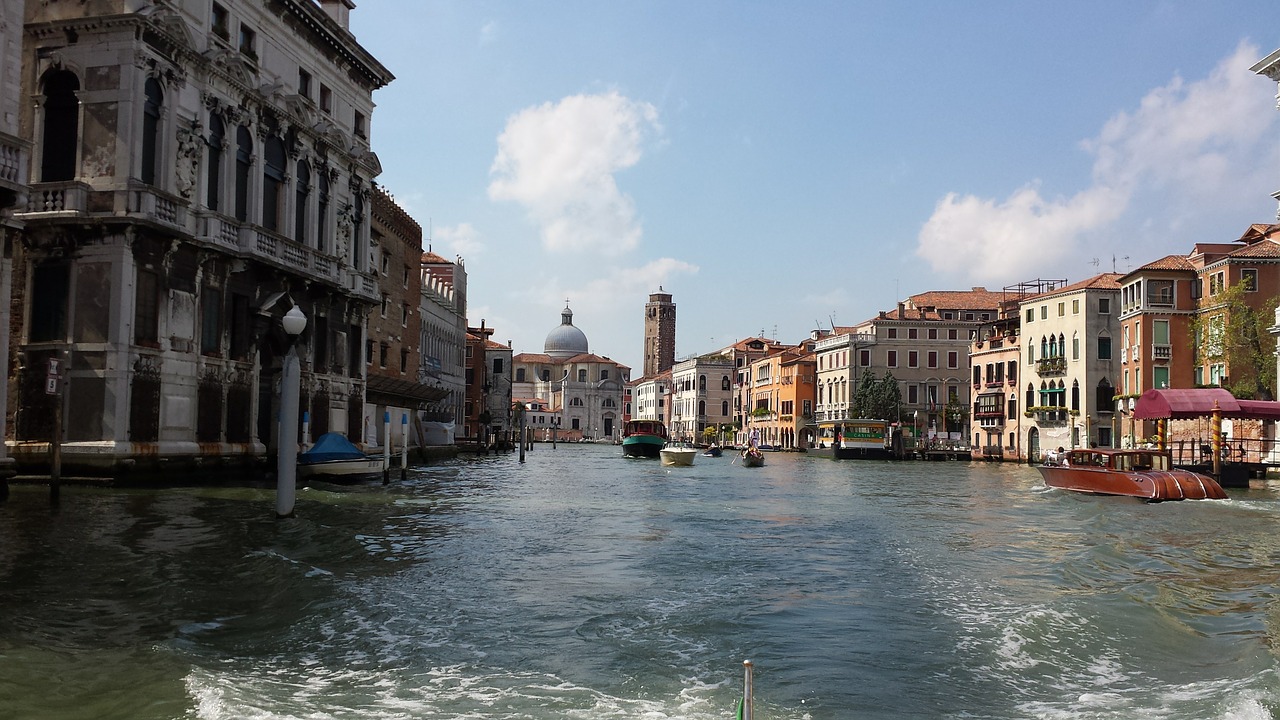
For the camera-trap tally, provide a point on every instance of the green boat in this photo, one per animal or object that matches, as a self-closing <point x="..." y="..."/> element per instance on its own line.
<point x="643" y="438"/>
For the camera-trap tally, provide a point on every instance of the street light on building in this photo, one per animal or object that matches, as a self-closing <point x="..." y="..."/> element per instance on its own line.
<point x="294" y="322"/>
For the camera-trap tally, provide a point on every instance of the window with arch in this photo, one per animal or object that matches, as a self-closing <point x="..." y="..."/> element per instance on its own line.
<point x="1031" y="395"/>
<point x="702" y="383"/>
<point x="272" y="182"/>
<point x="244" y="159"/>
<point x="702" y="407"/>
<point x="1075" y="346"/>
<point x="1062" y="345"/>
<point x="302" y="198"/>
<point x="322" y="209"/>
<point x="1075" y="395"/>
<point x="546" y="375"/>
<point x="724" y="382"/>
<point x="213" y="162"/>
<point x="724" y="408"/>
<point x="1105" y="394"/>
<point x="60" y="136"/>
<point x="150" y="130"/>
<point x="1046" y="350"/>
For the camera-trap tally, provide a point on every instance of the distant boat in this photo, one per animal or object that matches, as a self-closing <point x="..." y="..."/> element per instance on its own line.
<point x="334" y="457"/>
<point x="752" y="457"/>
<point x="1147" y="474"/>
<point x="713" y="451"/>
<point x="643" y="438"/>
<point x="674" y="454"/>
<point x="855" y="439"/>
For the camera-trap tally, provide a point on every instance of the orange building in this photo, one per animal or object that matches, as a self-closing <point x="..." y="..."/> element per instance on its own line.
<point x="782" y="395"/>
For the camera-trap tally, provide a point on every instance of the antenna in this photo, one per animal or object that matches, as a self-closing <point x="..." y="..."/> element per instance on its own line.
<point x="428" y="234"/>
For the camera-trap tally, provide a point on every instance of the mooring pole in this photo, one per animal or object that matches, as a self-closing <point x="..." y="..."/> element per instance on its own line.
<point x="748" y="709"/>
<point x="55" y="446"/>
<point x="386" y="447"/>
<point x="404" y="450"/>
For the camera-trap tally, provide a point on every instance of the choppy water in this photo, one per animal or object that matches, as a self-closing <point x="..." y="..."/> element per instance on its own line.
<point x="583" y="585"/>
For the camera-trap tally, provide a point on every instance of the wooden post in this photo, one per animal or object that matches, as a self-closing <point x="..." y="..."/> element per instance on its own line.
<point x="1216" y="433"/>
<point x="53" y="386"/>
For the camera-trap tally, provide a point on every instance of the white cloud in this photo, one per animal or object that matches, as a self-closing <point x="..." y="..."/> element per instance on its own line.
<point x="488" y="33"/>
<point x="559" y="161"/>
<point x="461" y="239"/>
<point x="1188" y="147"/>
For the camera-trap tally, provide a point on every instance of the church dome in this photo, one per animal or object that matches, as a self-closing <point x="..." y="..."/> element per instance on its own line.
<point x="566" y="340"/>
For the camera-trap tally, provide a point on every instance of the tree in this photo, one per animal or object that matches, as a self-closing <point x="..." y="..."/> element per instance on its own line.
<point x="1231" y="331"/>
<point x="877" y="398"/>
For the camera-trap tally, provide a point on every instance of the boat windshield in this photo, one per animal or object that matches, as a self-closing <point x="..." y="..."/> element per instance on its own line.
<point x="1141" y="461"/>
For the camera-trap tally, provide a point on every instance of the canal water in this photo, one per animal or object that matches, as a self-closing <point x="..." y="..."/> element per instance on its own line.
<point x="584" y="585"/>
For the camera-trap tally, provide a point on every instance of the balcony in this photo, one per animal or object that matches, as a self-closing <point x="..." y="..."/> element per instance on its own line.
<point x="1051" y="366"/>
<point x="1162" y="352"/>
<point x="14" y="158"/>
<point x="62" y="198"/>
<point x="1044" y="416"/>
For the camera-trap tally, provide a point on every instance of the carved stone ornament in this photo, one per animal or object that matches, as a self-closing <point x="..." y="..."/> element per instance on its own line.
<point x="345" y="223"/>
<point x="188" y="161"/>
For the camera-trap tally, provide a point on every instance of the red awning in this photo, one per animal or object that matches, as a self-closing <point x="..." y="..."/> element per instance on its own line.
<point x="1200" y="402"/>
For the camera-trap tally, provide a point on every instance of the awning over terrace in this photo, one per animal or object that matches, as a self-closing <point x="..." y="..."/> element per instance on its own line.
<point x="1181" y="404"/>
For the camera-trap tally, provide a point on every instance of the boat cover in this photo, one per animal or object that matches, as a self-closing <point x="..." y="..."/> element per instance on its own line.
<point x="331" y="446"/>
<point x="1187" y="403"/>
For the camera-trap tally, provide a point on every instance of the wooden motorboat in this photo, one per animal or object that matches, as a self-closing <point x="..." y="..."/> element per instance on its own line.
<point x="335" y="458"/>
<point x="752" y="457"/>
<point x="677" y="455"/>
<point x="1147" y="474"/>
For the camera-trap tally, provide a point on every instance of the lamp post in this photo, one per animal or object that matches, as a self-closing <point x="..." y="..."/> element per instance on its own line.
<point x="294" y="322"/>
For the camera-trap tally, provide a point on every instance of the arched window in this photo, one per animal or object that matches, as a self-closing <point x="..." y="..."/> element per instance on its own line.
<point x="702" y="407"/>
<point x="724" y="382"/>
<point x="724" y="408"/>
<point x="1105" y="398"/>
<point x="1062" y="345"/>
<point x="1053" y="347"/>
<point x="1031" y="395"/>
<point x="272" y="182"/>
<point x="546" y="375"/>
<point x="151" y="130"/>
<point x="1044" y="347"/>
<point x="61" y="126"/>
<point x="322" y="212"/>
<point x="302" y="196"/>
<point x="1075" y="395"/>
<point x="702" y="383"/>
<point x="244" y="158"/>
<point x="213" y="164"/>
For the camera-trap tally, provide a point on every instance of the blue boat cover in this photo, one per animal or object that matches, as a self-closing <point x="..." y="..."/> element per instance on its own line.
<point x="331" y="446"/>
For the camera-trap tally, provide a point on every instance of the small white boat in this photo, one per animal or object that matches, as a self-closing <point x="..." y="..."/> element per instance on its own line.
<point x="677" y="455"/>
<point x="334" y="458"/>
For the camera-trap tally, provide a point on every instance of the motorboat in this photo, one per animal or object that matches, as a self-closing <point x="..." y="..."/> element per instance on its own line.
<point x="1141" y="473"/>
<point x="713" y="451"/>
<point x="643" y="438"/>
<point x="677" y="454"/>
<point x="334" y="457"/>
<point x="752" y="457"/>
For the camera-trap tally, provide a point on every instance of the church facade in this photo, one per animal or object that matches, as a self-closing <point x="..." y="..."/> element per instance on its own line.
<point x="584" y="391"/>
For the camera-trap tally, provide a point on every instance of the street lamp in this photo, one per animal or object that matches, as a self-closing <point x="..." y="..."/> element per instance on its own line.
<point x="294" y="322"/>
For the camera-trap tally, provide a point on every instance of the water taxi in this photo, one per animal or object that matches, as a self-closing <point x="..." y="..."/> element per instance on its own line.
<point x="643" y="438"/>
<point x="1141" y="473"/>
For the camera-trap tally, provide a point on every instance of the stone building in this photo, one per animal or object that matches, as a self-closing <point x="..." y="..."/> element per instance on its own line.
<point x="199" y="168"/>
<point x="701" y="397"/>
<point x="15" y="158"/>
<point x="442" y="343"/>
<point x="659" y="333"/>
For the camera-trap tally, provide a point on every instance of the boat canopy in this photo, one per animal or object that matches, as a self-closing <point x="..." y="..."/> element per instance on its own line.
<point x="332" y="446"/>
<point x="1188" y="403"/>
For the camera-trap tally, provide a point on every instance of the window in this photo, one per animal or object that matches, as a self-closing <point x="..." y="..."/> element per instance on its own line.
<point x="912" y="333"/>
<point x="213" y="162"/>
<point x="582" y="375"/>
<point x="211" y="321"/>
<point x="404" y="360"/>
<point x="1075" y="347"/>
<point x="724" y="382"/>
<point x="1104" y="348"/>
<point x="1104" y="306"/>
<point x="146" y="311"/>
<point x="302" y="195"/>
<point x="1160" y="377"/>
<point x="1031" y="315"/>
<point x="951" y="334"/>
<point x="273" y="183"/>
<point x="891" y="359"/>
<point x="1062" y="309"/>
<point x="385" y="299"/>
<point x="50" y="286"/>
<point x="913" y="394"/>
<point x="913" y="358"/>
<point x="404" y="315"/>
<point x="1075" y="307"/>
<point x="497" y="366"/>
<point x="61" y="126"/>
<point x="248" y="39"/>
<point x="519" y="374"/>
<point x="382" y="354"/>
<point x="219" y="22"/>
<point x="1044" y="312"/>
<point x="893" y="333"/>
<point x="1160" y="333"/>
<point x="304" y="83"/>
<point x="864" y="358"/>
<point x="932" y="359"/>
<point x="358" y="125"/>
<point x="933" y="333"/>
<point x="150" y="130"/>
<point x="953" y="359"/>
<point x="405" y="271"/>
<point x="244" y="156"/>
<point x="326" y="98"/>
<point x="604" y="375"/>
<point x="1249" y="278"/>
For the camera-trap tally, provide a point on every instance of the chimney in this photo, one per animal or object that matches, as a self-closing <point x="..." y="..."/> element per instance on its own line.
<point x="339" y="11"/>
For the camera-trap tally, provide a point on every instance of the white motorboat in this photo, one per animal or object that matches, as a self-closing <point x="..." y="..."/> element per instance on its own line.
<point x="677" y="455"/>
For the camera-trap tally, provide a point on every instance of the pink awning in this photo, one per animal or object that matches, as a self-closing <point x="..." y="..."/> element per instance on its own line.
<point x="1200" y="402"/>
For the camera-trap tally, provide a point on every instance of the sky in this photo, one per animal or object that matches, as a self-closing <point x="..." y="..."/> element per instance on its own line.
<point x="779" y="167"/>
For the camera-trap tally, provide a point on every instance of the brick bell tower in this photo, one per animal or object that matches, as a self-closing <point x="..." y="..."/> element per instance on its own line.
<point x="659" y="333"/>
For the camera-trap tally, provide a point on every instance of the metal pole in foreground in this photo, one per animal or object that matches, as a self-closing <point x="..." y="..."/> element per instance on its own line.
<point x="748" y="705"/>
<point x="294" y="322"/>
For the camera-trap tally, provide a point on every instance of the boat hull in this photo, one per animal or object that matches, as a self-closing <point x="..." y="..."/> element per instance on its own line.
<point x="1154" y="485"/>
<point x="678" y="457"/>
<point x="645" y="446"/>
<point x="752" y="458"/>
<point x="341" y="470"/>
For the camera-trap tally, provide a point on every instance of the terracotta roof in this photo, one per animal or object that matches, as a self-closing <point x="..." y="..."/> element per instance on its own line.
<point x="431" y="258"/>
<point x="589" y="357"/>
<point x="1266" y="248"/>
<point x="494" y="345"/>
<point x="1258" y="231"/>
<point x="1168" y="262"/>
<point x="976" y="299"/>
<point x="532" y="358"/>
<point x="1104" y="281"/>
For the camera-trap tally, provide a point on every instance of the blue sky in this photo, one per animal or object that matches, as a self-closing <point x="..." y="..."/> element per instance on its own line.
<point x="776" y="166"/>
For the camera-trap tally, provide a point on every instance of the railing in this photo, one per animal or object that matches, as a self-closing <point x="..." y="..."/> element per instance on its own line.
<point x="13" y="161"/>
<point x="58" y="197"/>
<point x="1051" y="365"/>
<point x="1161" y="352"/>
<point x="1051" y="417"/>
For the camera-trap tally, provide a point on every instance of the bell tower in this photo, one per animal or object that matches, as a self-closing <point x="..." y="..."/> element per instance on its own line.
<point x="659" y="333"/>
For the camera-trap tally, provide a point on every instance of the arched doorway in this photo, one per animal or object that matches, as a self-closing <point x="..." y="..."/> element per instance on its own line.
<point x="1033" y="445"/>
